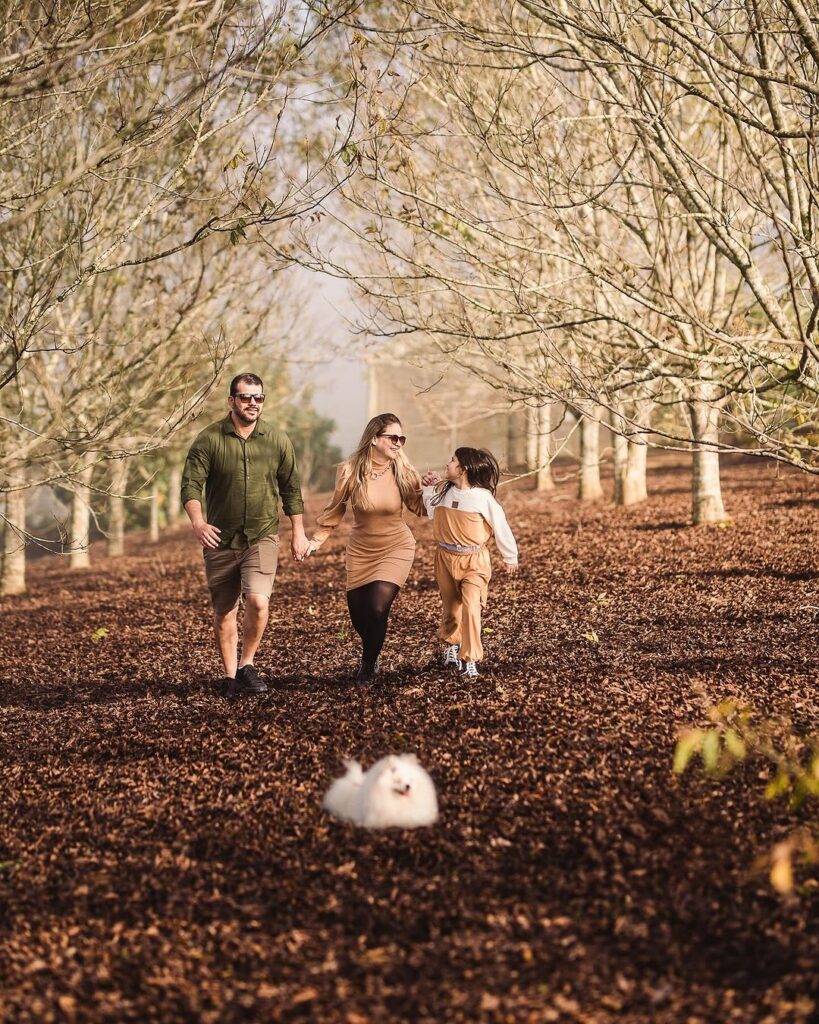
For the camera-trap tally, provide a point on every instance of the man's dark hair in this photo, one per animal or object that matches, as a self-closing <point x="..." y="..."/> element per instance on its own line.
<point x="250" y="378"/>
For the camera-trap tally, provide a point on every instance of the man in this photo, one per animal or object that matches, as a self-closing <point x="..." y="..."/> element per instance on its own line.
<point x="243" y="465"/>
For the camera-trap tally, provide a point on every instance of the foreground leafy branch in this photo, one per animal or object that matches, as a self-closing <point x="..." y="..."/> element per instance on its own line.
<point x="737" y="733"/>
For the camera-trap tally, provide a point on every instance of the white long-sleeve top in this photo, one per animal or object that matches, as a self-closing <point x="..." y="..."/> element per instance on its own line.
<point x="471" y="502"/>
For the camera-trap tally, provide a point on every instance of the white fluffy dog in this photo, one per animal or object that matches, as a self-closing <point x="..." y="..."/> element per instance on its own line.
<point x="395" y="793"/>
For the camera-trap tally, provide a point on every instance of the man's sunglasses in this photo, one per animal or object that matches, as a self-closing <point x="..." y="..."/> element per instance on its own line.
<point x="395" y="438"/>
<point x="249" y="398"/>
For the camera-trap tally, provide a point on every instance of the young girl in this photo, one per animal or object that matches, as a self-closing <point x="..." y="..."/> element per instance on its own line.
<point x="465" y="515"/>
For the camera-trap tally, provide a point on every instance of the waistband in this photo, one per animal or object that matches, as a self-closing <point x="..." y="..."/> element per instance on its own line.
<point x="459" y="549"/>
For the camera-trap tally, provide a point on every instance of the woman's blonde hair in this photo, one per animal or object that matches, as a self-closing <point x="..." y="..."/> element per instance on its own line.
<point x="360" y="465"/>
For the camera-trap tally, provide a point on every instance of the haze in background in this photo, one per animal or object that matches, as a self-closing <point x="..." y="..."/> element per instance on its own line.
<point x="338" y="373"/>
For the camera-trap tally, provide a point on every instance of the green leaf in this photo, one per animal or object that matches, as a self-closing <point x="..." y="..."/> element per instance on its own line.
<point x="710" y="751"/>
<point x="735" y="744"/>
<point x="687" y="745"/>
<point x="349" y="153"/>
<point x="777" y="786"/>
<point x="99" y="634"/>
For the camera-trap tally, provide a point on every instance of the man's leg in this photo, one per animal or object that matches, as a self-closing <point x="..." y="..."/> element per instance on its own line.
<point x="257" y="612"/>
<point x="222" y="571"/>
<point x="227" y="635"/>
<point x="258" y="574"/>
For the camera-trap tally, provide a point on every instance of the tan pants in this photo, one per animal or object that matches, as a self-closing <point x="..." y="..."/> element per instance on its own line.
<point x="463" y="581"/>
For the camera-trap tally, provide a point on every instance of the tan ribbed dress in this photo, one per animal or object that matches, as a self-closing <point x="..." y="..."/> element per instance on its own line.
<point x="381" y="545"/>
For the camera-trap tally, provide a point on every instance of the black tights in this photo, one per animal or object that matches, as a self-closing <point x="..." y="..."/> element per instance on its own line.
<point x="369" y="610"/>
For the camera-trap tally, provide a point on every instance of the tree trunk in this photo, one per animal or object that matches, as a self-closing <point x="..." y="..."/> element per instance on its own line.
<point x="174" y="496"/>
<point x="620" y="466"/>
<point x="635" y="488"/>
<point x="153" y="530"/>
<point x="13" y="577"/>
<point x="538" y="446"/>
<point x="590" y="488"/>
<point x="116" y="508"/>
<point x="706" y="493"/>
<point x="79" y="557"/>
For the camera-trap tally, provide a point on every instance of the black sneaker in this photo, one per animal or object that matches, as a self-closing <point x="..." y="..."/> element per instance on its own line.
<point x="248" y="680"/>
<point x="225" y="687"/>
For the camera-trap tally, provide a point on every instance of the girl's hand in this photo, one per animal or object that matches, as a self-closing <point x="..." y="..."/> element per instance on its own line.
<point x="430" y="477"/>
<point x="510" y="570"/>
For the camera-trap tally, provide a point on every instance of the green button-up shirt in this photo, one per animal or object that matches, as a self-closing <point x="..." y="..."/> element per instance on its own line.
<point x="242" y="480"/>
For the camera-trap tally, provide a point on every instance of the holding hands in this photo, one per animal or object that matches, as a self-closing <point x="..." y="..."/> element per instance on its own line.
<point x="430" y="477"/>
<point x="300" y="546"/>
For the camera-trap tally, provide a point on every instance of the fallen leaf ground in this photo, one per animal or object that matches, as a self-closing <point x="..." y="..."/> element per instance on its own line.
<point x="163" y="856"/>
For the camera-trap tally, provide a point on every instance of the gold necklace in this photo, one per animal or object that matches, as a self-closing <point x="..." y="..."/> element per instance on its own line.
<point x="375" y="476"/>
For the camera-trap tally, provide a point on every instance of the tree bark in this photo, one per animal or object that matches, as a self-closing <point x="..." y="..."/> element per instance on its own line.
<point x="174" y="497"/>
<point x="538" y="447"/>
<point x="706" y="493"/>
<point x="590" y="488"/>
<point x="620" y="466"/>
<point x="635" y="488"/>
<point x="153" y="529"/>
<point x="116" y="508"/>
<point x="13" y="577"/>
<point x="79" y="556"/>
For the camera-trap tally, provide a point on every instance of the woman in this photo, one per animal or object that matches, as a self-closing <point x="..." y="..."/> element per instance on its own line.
<point x="376" y="481"/>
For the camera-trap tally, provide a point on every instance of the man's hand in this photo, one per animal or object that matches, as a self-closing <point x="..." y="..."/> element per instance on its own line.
<point x="300" y="545"/>
<point x="430" y="477"/>
<point x="207" y="535"/>
<point x="509" y="568"/>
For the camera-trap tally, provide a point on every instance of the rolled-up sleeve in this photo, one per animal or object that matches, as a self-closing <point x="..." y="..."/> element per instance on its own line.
<point x="195" y="473"/>
<point x="287" y="477"/>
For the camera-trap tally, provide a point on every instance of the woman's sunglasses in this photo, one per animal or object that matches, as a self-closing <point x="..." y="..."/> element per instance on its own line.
<point x="395" y="438"/>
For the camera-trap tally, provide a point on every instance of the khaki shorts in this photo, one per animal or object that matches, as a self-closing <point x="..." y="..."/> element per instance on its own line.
<point x="231" y="573"/>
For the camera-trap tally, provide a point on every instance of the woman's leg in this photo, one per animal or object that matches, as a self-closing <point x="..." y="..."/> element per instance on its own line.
<point x="369" y="608"/>
<point x="380" y="598"/>
<point x="357" y="607"/>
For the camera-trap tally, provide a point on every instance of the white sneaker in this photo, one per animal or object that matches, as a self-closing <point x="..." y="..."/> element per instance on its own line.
<point x="451" y="656"/>
<point x="470" y="670"/>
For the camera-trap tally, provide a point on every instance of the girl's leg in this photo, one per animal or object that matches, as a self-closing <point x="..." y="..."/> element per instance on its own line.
<point x="472" y="595"/>
<point x="450" y="628"/>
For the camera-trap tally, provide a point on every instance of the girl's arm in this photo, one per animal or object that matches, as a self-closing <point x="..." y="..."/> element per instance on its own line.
<point x="427" y="494"/>
<point x="504" y="538"/>
<point x="332" y="514"/>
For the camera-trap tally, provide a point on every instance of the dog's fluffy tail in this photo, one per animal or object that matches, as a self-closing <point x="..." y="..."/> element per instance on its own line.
<point x="340" y="798"/>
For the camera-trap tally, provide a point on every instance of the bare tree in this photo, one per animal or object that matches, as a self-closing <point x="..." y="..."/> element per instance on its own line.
<point x="549" y="190"/>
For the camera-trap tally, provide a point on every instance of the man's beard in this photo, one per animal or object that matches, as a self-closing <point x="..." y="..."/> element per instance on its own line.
<point x="244" y="417"/>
